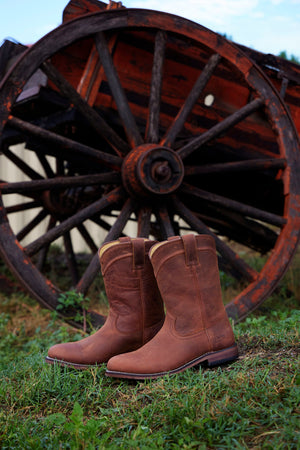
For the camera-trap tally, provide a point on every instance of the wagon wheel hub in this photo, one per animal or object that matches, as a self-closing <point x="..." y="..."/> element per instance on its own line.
<point x="64" y="203"/>
<point x="151" y="169"/>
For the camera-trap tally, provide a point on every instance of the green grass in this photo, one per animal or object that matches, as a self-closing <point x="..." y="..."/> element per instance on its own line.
<point x="253" y="403"/>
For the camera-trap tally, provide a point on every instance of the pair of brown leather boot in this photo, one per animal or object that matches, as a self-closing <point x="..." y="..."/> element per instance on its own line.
<point x="137" y="340"/>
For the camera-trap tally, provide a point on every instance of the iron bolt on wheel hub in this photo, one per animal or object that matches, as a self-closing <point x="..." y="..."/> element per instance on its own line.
<point x="152" y="169"/>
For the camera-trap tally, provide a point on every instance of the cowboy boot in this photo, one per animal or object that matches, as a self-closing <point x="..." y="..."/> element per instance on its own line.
<point x="136" y="309"/>
<point x="196" y="328"/>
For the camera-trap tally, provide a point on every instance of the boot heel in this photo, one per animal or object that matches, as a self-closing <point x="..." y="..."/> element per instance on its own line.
<point x="223" y="356"/>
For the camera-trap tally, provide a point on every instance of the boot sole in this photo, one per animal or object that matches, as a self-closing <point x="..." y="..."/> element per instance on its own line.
<point x="209" y="359"/>
<point x="68" y="364"/>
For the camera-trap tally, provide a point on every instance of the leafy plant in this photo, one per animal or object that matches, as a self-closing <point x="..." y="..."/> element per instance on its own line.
<point x="72" y="300"/>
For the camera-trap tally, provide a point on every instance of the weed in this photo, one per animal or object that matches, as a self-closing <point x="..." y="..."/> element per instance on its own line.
<point x="75" y="302"/>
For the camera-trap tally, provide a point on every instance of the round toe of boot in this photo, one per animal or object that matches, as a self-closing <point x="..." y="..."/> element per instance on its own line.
<point x="128" y="366"/>
<point x="65" y="355"/>
<point x="119" y="367"/>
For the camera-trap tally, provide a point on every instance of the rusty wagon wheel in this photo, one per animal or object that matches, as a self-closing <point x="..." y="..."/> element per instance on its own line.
<point x="146" y="118"/>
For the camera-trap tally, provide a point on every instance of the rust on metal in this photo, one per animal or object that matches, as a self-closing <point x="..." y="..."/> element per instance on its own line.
<point x="152" y="169"/>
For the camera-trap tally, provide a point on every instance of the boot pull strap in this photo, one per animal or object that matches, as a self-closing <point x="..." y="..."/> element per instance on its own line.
<point x="124" y="239"/>
<point x="138" y="247"/>
<point x="190" y="249"/>
<point x="138" y="250"/>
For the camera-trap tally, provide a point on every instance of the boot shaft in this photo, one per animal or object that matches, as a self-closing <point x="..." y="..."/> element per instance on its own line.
<point x="130" y="285"/>
<point x="186" y="270"/>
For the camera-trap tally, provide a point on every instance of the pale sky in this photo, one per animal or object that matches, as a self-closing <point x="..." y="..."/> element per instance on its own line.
<point x="269" y="26"/>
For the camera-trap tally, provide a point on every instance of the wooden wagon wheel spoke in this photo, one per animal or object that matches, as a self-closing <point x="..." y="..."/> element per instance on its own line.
<point x="91" y="77"/>
<point x="93" y="73"/>
<point x="89" y="275"/>
<point x="115" y="231"/>
<point x="46" y="166"/>
<point x="59" y="164"/>
<point x="72" y="222"/>
<point x="87" y="238"/>
<point x="70" y="257"/>
<point x="24" y="167"/>
<point x="121" y="221"/>
<point x="31" y="225"/>
<point x="190" y="101"/>
<point x="21" y="207"/>
<point x="247" y="166"/>
<point x="92" y="117"/>
<point x="48" y="121"/>
<point x="220" y="127"/>
<point x="235" y="226"/>
<point x="132" y="132"/>
<point x="144" y="221"/>
<point x="101" y="223"/>
<point x="240" y="266"/>
<point x="250" y="211"/>
<point x="165" y="222"/>
<point x="27" y="187"/>
<point x="67" y="144"/>
<point x="42" y="255"/>
<point x="152" y="127"/>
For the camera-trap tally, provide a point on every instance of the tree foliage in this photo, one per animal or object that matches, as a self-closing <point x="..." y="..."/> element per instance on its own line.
<point x="283" y="54"/>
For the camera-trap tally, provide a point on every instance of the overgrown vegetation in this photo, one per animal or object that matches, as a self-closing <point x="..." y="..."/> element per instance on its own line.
<point x="250" y="404"/>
